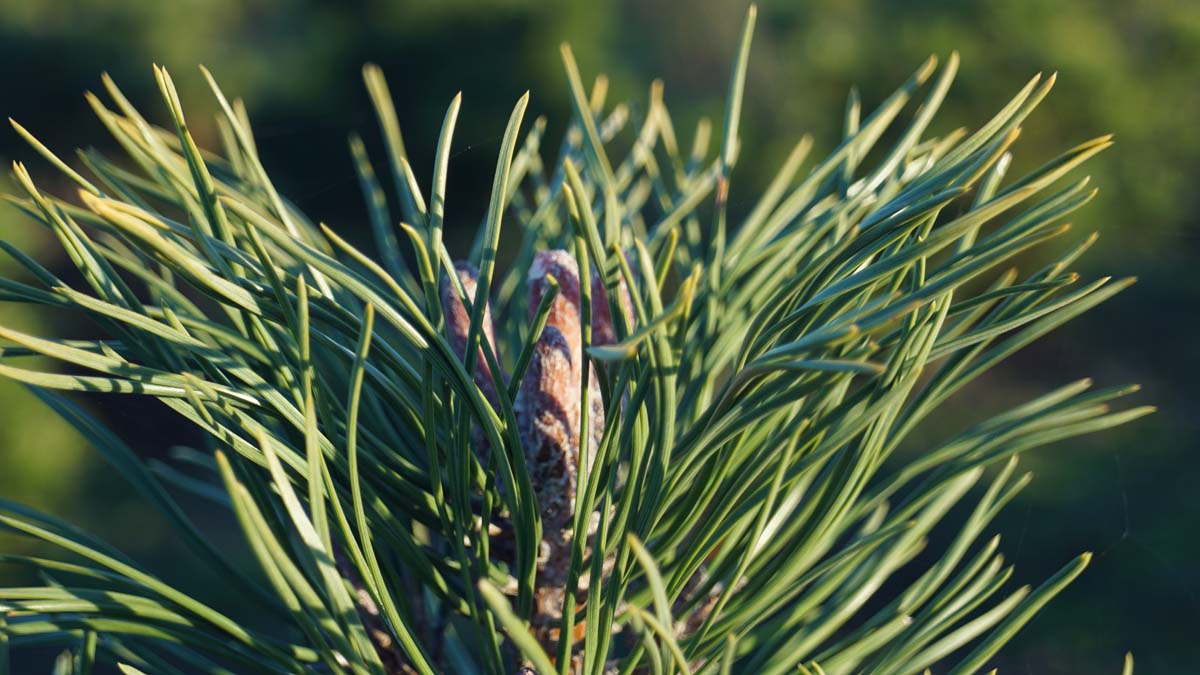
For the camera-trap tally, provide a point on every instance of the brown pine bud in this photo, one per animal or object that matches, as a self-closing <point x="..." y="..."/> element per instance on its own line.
<point x="547" y="410"/>
<point x="547" y="405"/>
<point x="458" y="324"/>
<point x="604" y="330"/>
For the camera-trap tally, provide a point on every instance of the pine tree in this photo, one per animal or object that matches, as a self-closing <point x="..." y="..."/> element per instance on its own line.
<point x="663" y="436"/>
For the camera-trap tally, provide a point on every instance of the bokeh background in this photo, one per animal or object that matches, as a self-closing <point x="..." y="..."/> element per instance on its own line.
<point x="1131" y="68"/>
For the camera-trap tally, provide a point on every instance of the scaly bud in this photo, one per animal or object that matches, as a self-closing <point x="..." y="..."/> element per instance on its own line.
<point x="458" y="324"/>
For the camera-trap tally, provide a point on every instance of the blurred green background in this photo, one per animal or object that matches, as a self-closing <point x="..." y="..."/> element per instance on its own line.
<point x="1131" y="68"/>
